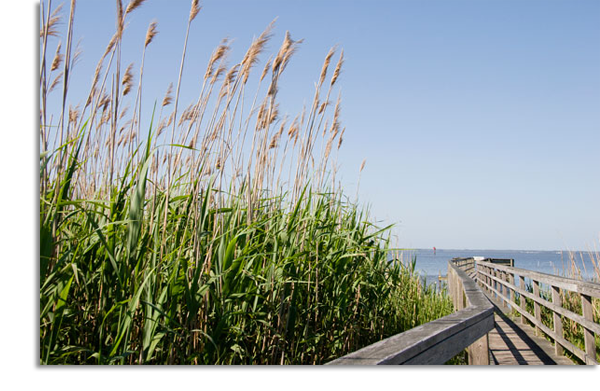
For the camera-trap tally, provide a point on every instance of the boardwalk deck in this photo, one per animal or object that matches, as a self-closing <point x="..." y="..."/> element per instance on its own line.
<point x="511" y="343"/>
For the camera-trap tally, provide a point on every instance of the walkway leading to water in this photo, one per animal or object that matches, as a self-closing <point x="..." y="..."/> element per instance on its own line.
<point x="511" y="343"/>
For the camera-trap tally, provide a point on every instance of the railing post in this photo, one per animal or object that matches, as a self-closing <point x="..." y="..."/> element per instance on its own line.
<point x="558" y="327"/>
<point x="523" y="301"/>
<point x="479" y="352"/>
<point x="494" y="284"/>
<point x="503" y="289"/>
<point x="590" y="344"/>
<point x="511" y="280"/>
<point x="536" y="307"/>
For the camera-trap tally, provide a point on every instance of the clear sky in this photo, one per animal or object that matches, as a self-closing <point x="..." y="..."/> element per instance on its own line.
<point x="479" y="120"/>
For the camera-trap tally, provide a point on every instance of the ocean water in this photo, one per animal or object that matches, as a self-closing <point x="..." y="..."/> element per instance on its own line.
<point x="432" y="264"/>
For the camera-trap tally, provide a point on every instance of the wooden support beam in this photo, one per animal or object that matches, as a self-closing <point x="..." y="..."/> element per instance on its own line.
<point x="523" y="302"/>
<point x="537" y="311"/>
<point x="479" y="352"/>
<point x="588" y="335"/>
<point x="558" y="327"/>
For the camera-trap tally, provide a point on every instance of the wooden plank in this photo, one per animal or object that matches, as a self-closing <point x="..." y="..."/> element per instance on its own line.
<point x="588" y="313"/>
<point x="558" y="327"/>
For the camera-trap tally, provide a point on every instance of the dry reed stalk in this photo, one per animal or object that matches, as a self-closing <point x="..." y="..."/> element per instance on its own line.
<point x="49" y="28"/>
<point x="195" y="9"/>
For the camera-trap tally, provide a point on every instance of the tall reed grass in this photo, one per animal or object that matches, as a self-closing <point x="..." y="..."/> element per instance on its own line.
<point x="217" y="235"/>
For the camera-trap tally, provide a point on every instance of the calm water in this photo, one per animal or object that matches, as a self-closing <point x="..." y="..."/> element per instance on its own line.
<point x="430" y="265"/>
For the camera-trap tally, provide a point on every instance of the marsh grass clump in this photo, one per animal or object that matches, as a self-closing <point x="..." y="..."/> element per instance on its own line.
<point x="217" y="235"/>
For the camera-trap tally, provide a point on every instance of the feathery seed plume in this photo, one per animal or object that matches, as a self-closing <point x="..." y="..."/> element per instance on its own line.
<point x="127" y="79"/>
<point x="58" y="57"/>
<point x="265" y="69"/>
<point x="104" y="102"/>
<point x="341" y="139"/>
<point x="73" y="114"/>
<point x="220" y="71"/>
<point x="77" y="55"/>
<point x="133" y="4"/>
<point x="289" y="53"/>
<point x="123" y="112"/>
<point x="255" y="49"/>
<point x="161" y="126"/>
<point x="338" y="68"/>
<point x="120" y="18"/>
<point x="220" y="52"/>
<point x="322" y="108"/>
<point x="168" y="98"/>
<point x="288" y="48"/>
<point x="151" y="33"/>
<point x="171" y="117"/>
<point x="194" y="10"/>
<point x="328" y="147"/>
<point x="326" y="65"/>
<point x="51" y="28"/>
<point x="110" y="46"/>
<point x="285" y="46"/>
<point x="229" y="78"/>
<point x="57" y="80"/>
<point x="293" y="128"/>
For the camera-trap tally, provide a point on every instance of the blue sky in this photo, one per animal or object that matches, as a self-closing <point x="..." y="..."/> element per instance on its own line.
<point x="479" y="120"/>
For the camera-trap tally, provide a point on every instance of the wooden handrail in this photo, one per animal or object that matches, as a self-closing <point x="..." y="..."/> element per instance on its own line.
<point x="438" y="341"/>
<point x="499" y="281"/>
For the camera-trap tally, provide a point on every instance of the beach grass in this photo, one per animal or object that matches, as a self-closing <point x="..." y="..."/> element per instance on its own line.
<point x="216" y="235"/>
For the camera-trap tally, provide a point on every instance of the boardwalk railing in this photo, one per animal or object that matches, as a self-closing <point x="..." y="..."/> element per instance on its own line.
<point x="499" y="281"/>
<point x="440" y="340"/>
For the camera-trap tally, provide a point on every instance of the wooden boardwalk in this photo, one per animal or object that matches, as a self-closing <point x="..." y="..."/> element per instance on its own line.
<point x="512" y="343"/>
